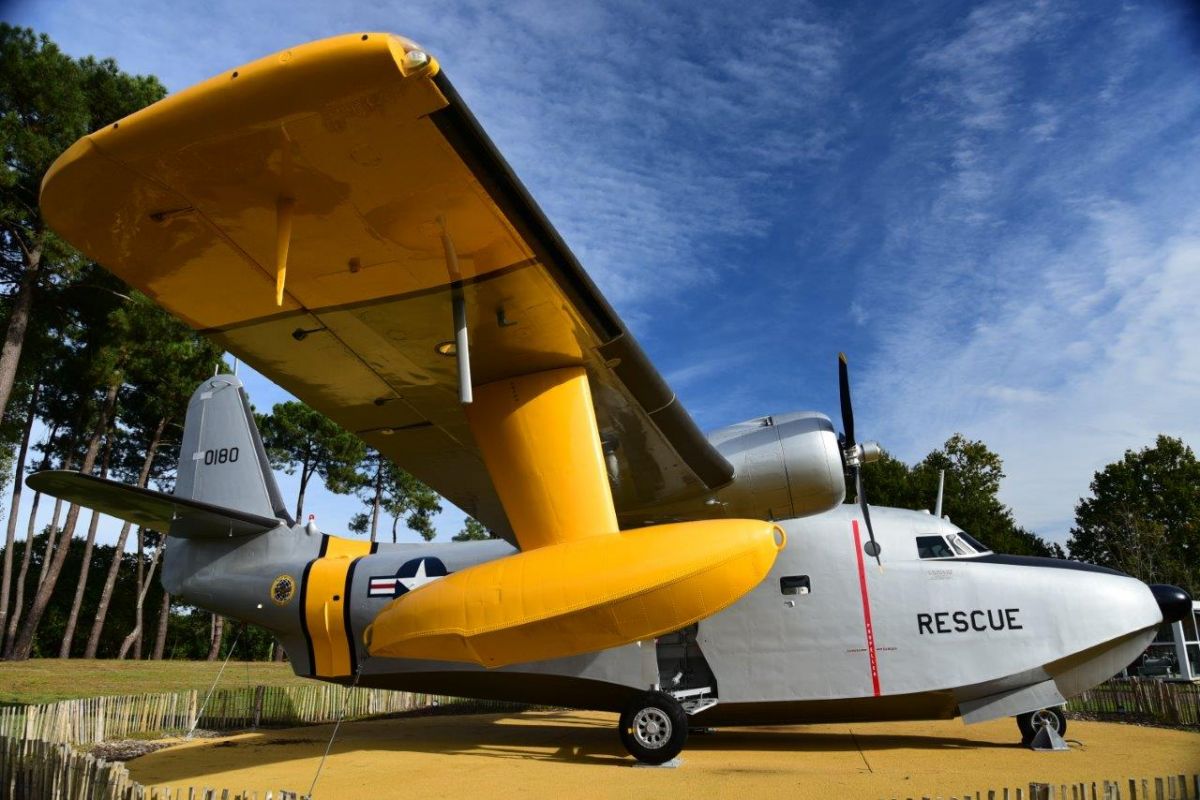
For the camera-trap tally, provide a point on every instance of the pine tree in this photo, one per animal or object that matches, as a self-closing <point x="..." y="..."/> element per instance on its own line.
<point x="298" y="438"/>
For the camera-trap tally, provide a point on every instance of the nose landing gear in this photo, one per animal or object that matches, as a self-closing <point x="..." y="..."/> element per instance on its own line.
<point x="1043" y="729"/>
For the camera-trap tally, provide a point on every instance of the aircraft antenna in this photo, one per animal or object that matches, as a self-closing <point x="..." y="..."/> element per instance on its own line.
<point x="937" y="509"/>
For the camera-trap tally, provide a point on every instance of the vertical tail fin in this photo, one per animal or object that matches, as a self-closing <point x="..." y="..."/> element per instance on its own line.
<point x="222" y="460"/>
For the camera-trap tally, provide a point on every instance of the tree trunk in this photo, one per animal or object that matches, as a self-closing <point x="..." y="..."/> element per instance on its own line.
<point x="10" y="634"/>
<point x="218" y="628"/>
<point x="14" y="507"/>
<point x="24" y="644"/>
<point x="277" y="652"/>
<point x="304" y="476"/>
<point x="136" y="633"/>
<point x="110" y="580"/>
<point x="141" y="590"/>
<point x="18" y="323"/>
<point x="164" y="617"/>
<point x="64" y="649"/>
<point x="53" y="533"/>
<point x="377" y="501"/>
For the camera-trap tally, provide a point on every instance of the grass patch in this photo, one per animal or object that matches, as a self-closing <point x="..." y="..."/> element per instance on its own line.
<point x="46" y="680"/>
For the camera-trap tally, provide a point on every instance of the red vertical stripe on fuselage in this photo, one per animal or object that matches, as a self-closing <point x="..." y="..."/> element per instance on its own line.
<point x="866" y="603"/>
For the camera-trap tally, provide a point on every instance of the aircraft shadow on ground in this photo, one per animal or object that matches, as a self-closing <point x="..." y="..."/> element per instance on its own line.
<point x="574" y="739"/>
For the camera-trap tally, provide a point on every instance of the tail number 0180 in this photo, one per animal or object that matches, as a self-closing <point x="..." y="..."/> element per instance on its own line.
<point x="224" y="455"/>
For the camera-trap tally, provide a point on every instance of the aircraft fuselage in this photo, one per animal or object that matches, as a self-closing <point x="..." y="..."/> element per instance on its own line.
<point x="829" y="635"/>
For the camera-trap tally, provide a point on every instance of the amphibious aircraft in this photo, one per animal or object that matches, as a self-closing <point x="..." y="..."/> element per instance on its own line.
<point x="335" y="216"/>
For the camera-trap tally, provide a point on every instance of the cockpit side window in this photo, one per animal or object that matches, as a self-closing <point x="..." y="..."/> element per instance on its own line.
<point x="979" y="546"/>
<point x="960" y="547"/>
<point x="933" y="547"/>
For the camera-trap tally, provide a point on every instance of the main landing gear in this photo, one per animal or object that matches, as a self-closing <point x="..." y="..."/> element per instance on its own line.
<point x="654" y="727"/>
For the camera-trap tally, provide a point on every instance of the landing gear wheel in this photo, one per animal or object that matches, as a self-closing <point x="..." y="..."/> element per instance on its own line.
<point x="653" y="727"/>
<point x="1030" y="723"/>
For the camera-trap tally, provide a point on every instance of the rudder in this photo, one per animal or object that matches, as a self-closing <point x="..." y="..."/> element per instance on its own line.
<point x="222" y="460"/>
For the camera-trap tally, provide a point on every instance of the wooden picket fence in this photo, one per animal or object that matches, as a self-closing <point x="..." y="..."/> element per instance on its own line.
<point x="35" y="769"/>
<point x="1144" y="699"/>
<point x="38" y="758"/>
<point x="96" y="719"/>
<point x="1168" y="787"/>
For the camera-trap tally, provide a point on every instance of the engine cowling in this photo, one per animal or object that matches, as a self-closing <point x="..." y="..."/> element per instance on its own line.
<point x="786" y="465"/>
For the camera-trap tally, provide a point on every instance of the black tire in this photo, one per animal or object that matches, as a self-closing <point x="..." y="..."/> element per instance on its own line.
<point x="653" y="727"/>
<point x="1031" y="722"/>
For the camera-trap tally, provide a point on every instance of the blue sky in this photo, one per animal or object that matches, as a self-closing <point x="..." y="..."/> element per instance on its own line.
<point x="993" y="208"/>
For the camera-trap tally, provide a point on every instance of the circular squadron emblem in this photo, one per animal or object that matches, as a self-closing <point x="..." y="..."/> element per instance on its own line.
<point x="283" y="589"/>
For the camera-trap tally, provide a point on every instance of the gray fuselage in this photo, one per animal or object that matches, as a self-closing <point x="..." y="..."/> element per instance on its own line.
<point x="828" y="635"/>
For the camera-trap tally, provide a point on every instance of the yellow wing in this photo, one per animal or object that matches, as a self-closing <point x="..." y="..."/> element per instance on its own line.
<point x="352" y="167"/>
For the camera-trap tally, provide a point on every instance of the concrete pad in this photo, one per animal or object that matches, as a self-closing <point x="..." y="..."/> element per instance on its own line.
<point x="569" y="754"/>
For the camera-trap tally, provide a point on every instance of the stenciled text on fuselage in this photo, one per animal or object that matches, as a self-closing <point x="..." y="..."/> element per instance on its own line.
<point x="979" y="620"/>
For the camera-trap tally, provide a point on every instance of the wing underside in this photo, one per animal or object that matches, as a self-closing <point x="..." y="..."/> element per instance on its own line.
<point x="398" y="202"/>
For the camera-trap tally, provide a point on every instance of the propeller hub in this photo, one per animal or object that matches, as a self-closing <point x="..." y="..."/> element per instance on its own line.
<point x="863" y="453"/>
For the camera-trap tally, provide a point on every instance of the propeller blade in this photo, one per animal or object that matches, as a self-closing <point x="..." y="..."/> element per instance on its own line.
<point x="862" y="501"/>
<point x="847" y="407"/>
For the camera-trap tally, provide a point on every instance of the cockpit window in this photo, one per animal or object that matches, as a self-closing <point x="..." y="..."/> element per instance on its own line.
<point x="948" y="546"/>
<point x="979" y="546"/>
<point x="960" y="547"/>
<point x="933" y="547"/>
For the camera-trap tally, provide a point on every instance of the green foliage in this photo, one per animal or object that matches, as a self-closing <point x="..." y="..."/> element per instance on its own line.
<point x="389" y="490"/>
<point x="47" y="101"/>
<point x="472" y="531"/>
<point x="187" y="627"/>
<point x="188" y="632"/>
<point x="1143" y="516"/>
<point x="299" y="438"/>
<point x="121" y="613"/>
<point x="973" y="475"/>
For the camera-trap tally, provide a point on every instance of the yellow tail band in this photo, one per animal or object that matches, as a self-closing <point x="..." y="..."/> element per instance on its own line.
<point x="323" y="590"/>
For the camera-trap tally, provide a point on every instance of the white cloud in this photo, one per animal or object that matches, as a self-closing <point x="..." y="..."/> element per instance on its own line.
<point x="1058" y="265"/>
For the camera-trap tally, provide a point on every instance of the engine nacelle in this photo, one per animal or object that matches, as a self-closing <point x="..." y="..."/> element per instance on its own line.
<point x="785" y="466"/>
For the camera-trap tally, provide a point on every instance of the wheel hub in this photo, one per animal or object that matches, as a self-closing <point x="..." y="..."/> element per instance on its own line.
<point x="651" y="728"/>
<point x="1045" y="719"/>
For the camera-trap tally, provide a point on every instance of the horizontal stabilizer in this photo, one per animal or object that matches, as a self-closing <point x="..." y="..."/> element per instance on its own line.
<point x="150" y="509"/>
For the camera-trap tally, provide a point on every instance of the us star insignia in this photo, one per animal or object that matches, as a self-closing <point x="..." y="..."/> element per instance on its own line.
<point x="411" y="575"/>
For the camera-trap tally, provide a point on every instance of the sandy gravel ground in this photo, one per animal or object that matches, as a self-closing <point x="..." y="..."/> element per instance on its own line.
<point x="576" y="754"/>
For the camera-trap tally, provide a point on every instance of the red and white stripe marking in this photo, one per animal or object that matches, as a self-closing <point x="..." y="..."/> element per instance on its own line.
<point x="866" y="604"/>
<point x="382" y="587"/>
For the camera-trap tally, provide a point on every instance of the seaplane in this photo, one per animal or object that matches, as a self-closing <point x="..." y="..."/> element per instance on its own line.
<point x="336" y="217"/>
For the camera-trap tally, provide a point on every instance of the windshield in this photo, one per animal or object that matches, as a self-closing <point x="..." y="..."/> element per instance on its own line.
<point x="960" y="547"/>
<point x="979" y="546"/>
<point x="952" y="545"/>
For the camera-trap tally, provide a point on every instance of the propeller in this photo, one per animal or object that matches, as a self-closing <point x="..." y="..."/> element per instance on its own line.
<point x="855" y="454"/>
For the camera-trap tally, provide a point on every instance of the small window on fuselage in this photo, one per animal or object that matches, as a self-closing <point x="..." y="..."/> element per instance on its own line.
<point x="795" y="584"/>
<point x="933" y="547"/>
